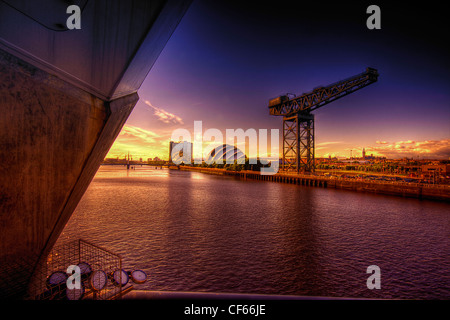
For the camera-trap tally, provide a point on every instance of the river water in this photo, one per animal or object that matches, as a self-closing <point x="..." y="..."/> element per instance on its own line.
<point x="198" y="232"/>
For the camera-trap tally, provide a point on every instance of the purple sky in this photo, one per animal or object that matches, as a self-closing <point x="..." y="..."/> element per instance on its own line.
<point x="226" y="60"/>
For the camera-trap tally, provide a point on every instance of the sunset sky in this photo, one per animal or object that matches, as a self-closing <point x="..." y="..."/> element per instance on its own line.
<point x="226" y="60"/>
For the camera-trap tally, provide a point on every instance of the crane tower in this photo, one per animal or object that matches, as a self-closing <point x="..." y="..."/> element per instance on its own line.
<point x="298" y="121"/>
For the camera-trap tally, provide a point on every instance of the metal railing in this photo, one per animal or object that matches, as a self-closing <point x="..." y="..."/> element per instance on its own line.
<point x="50" y="276"/>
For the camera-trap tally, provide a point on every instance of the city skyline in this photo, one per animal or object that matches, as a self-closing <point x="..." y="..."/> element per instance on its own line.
<point x="225" y="62"/>
<point x="383" y="149"/>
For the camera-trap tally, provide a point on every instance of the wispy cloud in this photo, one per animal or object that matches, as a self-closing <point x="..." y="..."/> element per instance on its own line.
<point x="164" y="115"/>
<point x="134" y="135"/>
<point x="328" y="143"/>
<point x="141" y="143"/>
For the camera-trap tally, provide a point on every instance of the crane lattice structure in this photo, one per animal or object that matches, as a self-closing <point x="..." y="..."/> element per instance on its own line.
<point x="298" y="121"/>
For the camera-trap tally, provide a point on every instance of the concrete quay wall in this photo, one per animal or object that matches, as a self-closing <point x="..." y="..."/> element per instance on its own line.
<point x="409" y="190"/>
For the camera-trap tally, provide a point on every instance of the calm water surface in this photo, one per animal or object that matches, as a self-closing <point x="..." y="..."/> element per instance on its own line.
<point x="197" y="232"/>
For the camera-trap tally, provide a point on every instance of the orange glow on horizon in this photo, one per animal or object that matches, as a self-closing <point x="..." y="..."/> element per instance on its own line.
<point x="142" y="143"/>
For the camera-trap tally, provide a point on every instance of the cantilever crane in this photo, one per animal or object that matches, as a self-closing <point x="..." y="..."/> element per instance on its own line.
<point x="298" y="121"/>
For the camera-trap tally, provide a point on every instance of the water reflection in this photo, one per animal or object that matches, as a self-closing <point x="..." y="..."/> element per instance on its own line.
<point x="199" y="232"/>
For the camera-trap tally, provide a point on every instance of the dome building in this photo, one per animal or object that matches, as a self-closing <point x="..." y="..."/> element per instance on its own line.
<point x="225" y="154"/>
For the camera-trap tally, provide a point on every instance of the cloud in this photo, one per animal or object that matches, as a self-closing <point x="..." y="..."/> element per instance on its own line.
<point x="328" y="143"/>
<point x="429" y="149"/>
<point x="140" y="143"/>
<point x="134" y="135"/>
<point x="164" y="115"/>
<point x="326" y="146"/>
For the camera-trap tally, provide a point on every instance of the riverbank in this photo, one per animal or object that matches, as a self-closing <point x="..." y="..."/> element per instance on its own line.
<point x="403" y="189"/>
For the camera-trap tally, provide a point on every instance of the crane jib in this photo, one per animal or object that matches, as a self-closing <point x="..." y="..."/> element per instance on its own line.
<point x="284" y="106"/>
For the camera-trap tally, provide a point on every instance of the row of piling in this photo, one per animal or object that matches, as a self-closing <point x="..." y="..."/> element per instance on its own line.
<point x="312" y="181"/>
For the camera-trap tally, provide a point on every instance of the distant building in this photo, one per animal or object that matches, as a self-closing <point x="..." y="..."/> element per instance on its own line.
<point x="364" y="154"/>
<point x="179" y="155"/>
<point x="429" y="170"/>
